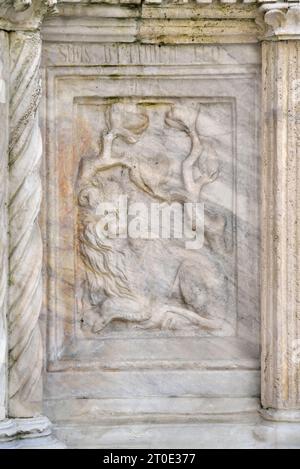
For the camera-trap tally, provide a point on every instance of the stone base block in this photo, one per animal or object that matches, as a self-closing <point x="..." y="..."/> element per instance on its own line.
<point x="252" y="434"/>
<point x="33" y="433"/>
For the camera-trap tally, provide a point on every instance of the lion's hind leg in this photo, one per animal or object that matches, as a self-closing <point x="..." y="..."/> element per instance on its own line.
<point x="120" y="309"/>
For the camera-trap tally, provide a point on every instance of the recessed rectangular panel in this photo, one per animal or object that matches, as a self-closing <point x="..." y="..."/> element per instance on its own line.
<point x="153" y="214"/>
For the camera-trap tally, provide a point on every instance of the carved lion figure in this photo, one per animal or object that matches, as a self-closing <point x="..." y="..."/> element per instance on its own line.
<point x="120" y="283"/>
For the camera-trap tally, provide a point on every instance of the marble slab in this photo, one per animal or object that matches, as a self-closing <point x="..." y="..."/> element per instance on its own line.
<point x="136" y="316"/>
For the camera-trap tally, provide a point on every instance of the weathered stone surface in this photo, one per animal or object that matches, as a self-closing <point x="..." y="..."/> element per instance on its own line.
<point x="242" y="433"/>
<point x="4" y="69"/>
<point x="25" y="250"/>
<point x="280" y="296"/>
<point x="31" y="433"/>
<point x="156" y="101"/>
<point x="165" y="23"/>
<point x="23" y="15"/>
<point x="133" y="341"/>
<point x="282" y="21"/>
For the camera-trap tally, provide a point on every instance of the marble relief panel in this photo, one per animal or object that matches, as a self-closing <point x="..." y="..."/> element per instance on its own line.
<point x="125" y="146"/>
<point x="157" y="158"/>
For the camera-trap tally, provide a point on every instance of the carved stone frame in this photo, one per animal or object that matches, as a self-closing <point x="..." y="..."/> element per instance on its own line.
<point x="277" y="25"/>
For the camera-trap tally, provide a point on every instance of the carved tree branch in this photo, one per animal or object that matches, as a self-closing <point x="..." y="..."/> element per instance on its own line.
<point x="107" y="144"/>
<point x="25" y="263"/>
<point x="191" y="185"/>
<point x="180" y="118"/>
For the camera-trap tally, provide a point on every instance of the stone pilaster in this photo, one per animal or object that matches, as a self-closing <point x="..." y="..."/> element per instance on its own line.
<point x="281" y="213"/>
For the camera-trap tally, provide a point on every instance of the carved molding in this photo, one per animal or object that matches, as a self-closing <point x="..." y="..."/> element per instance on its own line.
<point x="25" y="261"/>
<point x="24" y="14"/>
<point x="280" y="307"/>
<point x="233" y="19"/>
<point x="148" y="22"/>
<point x="281" y="20"/>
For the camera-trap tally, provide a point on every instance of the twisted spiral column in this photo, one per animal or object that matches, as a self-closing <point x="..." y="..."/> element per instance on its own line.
<point x="3" y="218"/>
<point x="25" y="247"/>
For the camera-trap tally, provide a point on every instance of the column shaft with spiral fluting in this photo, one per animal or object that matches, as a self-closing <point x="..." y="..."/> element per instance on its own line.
<point x="25" y="244"/>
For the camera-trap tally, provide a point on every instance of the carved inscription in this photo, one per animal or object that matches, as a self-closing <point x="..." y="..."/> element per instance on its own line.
<point x="132" y="54"/>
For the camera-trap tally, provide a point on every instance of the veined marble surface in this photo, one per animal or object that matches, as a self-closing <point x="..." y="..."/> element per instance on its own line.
<point x="150" y="109"/>
<point x="3" y="218"/>
<point x="149" y="318"/>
